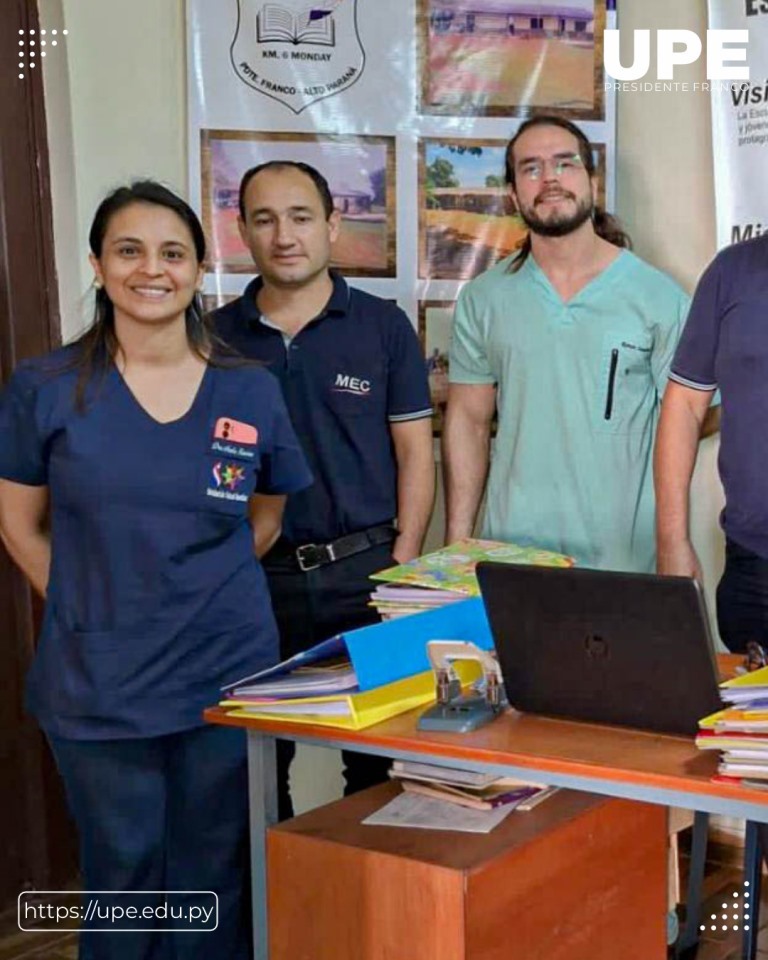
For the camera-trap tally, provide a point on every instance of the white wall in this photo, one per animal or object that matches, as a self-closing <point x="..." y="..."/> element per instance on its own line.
<point x="665" y="195"/>
<point x="117" y="105"/>
<point x="127" y="115"/>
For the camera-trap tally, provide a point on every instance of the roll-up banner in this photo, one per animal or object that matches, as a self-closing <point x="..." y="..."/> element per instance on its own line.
<point x="740" y="128"/>
<point x="406" y="107"/>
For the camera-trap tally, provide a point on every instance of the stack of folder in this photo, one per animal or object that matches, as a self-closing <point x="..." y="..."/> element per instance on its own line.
<point x="467" y="788"/>
<point x="364" y="676"/>
<point x="448" y="575"/>
<point x="740" y="731"/>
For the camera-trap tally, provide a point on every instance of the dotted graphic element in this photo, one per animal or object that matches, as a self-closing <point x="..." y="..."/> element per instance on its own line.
<point x="32" y="45"/>
<point x="735" y="908"/>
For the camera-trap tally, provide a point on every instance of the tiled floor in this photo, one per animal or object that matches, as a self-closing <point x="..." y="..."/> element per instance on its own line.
<point x="16" y="944"/>
<point x="722" y="879"/>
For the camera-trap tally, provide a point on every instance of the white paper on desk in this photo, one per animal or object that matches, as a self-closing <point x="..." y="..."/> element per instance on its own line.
<point x="414" y="810"/>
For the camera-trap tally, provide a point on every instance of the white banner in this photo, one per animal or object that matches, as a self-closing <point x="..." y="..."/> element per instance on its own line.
<point x="740" y="128"/>
<point x="406" y="107"/>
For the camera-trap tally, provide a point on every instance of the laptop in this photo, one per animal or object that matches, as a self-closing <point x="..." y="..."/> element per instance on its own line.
<point x="592" y="645"/>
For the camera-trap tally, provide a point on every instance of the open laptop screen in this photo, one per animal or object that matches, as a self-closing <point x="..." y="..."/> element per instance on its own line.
<point x="604" y="647"/>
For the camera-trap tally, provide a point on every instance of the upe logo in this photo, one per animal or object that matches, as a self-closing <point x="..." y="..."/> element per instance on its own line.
<point x="735" y="914"/>
<point x="677" y="48"/>
<point x="346" y="384"/>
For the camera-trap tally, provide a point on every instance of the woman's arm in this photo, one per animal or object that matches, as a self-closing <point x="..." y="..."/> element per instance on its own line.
<point x="23" y="512"/>
<point x="266" y="515"/>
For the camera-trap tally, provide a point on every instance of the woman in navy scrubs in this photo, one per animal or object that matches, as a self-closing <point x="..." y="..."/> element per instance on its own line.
<point x="164" y="468"/>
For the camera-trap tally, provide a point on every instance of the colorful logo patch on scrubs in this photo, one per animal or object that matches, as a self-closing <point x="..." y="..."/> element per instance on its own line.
<point x="228" y="475"/>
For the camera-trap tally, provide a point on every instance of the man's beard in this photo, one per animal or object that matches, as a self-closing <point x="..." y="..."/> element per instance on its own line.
<point x="560" y="224"/>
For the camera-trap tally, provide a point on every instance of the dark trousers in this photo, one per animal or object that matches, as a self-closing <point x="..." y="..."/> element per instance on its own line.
<point x="742" y="598"/>
<point x="311" y="607"/>
<point x="742" y="611"/>
<point x="162" y="813"/>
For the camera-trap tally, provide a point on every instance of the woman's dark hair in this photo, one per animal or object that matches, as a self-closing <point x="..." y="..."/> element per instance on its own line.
<point x="98" y="346"/>
<point x="321" y="184"/>
<point x="605" y="224"/>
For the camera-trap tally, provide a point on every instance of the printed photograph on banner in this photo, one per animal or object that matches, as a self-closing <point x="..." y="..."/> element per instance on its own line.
<point x="360" y="171"/>
<point x="435" y="325"/>
<point x="466" y="218"/>
<point x="503" y="58"/>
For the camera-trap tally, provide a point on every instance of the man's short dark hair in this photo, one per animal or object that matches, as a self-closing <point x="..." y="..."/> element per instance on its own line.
<point x="314" y="175"/>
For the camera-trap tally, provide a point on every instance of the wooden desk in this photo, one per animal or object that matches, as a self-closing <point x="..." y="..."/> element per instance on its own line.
<point x="604" y="760"/>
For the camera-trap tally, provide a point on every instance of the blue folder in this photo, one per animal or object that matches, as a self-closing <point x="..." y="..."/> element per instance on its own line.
<point x="388" y="651"/>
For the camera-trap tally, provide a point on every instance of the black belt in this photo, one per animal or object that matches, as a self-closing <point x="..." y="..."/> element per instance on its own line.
<point x="309" y="556"/>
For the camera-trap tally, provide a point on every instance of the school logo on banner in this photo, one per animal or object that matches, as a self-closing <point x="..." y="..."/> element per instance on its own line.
<point x="297" y="51"/>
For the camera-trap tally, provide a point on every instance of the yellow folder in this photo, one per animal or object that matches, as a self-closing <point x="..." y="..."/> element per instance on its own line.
<point x="755" y="678"/>
<point x="353" y="711"/>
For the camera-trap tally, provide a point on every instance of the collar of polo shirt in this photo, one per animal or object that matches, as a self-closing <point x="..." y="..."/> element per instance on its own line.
<point x="338" y="303"/>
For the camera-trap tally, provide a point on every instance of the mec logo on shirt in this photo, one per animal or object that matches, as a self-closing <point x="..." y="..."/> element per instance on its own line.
<point x="344" y="383"/>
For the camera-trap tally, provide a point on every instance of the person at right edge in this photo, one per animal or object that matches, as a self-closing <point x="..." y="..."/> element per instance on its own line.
<point x="724" y="347"/>
<point x="355" y="384"/>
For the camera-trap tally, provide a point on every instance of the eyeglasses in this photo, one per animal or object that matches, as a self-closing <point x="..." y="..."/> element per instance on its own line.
<point x="535" y="168"/>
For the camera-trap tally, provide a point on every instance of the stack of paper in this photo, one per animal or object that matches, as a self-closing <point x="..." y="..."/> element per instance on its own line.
<point x="740" y="731"/>
<point x="467" y="788"/>
<point x="364" y="676"/>
<point x="413" y="810"/>
<point x="361" y="677"/>
<point x="353" y="710"/>
<point x="448" y="575"/>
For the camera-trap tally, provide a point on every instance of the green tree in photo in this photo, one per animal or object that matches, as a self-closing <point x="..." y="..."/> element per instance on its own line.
<point x="440" y="173"/>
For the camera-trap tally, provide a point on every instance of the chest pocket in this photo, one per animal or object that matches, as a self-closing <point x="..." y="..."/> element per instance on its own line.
<point x="625" y="386"/>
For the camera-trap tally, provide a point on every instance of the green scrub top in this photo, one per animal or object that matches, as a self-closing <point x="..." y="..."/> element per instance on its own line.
<point x="579" y="386"/>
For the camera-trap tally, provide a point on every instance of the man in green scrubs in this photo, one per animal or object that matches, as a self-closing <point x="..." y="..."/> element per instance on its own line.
<point x="569" y="341"/>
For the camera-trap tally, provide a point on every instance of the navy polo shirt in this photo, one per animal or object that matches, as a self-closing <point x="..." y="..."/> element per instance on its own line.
<point x="346" y="376"/>
<point x="725" y="345"/>
<point x="155" y="598"/>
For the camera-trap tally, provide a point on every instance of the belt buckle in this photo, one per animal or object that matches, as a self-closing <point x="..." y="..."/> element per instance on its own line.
<point x="310" y="556"/>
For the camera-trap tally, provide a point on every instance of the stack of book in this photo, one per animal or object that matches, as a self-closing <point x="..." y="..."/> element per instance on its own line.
<point x="468" y="788"/>
<point x="740" y="731"/>
<point x="448" y="575"/>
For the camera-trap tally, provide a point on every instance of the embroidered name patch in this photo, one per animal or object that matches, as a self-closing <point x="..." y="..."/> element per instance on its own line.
<point x="232" y="438"/>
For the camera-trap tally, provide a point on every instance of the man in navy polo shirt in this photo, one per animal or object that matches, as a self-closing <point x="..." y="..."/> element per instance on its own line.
<point x="355" y="383"/>
<point x="724" y="345"/>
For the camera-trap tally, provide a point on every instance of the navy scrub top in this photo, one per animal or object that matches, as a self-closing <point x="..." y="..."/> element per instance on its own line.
<point x="155" y="598"/>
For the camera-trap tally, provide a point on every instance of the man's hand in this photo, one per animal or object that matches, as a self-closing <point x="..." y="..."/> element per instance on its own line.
<point x="405" y="549"/>
<point x="678" y="559"/>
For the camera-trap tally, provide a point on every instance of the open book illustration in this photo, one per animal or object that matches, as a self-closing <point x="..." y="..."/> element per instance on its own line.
<point x="277" y="24"/>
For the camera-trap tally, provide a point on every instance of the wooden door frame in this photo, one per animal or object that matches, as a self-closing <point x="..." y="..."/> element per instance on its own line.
<point x="41" y="838"/>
